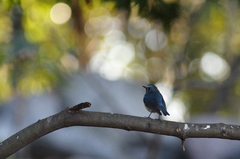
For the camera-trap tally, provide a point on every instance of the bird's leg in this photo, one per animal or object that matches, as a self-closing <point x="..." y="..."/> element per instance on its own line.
<point x="149" y="115"/>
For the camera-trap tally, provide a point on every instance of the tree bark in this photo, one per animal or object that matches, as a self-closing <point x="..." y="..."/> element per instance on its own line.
<point x="77" y="117"/>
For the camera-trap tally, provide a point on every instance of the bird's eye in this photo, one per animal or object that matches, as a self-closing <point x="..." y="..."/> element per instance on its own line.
<point x="148" y="88"/>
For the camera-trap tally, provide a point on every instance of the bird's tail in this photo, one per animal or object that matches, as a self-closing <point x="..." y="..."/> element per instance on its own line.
<point x="164" y="111"/>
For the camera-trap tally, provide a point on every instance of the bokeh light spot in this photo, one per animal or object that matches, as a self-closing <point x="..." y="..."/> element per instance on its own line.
<point x="155" y="40"/>
<point x="214" y="66"/>
<point x="177" y="110"/>
<point x="123" y="53"/>
<point x="113" y="63"/>
<point x="138" y="27"/>
<point x="70" y="62"/>
<point x="60" y="13"/>
<point x="114" y="37"/>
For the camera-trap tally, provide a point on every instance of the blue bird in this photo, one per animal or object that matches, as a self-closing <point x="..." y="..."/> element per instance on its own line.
<point x="154" y="101"/>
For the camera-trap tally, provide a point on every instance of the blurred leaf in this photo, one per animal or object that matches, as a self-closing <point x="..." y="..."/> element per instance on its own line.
<point x="159" y="10"/>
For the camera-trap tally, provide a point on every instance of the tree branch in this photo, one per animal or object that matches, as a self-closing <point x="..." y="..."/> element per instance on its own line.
<point x="76" y="117"/>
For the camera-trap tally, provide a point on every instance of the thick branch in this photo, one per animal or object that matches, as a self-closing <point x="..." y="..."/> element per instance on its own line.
<point x="119" y="121"/>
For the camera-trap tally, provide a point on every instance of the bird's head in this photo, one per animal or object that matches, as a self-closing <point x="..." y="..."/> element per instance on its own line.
<point x="150" y="88"/>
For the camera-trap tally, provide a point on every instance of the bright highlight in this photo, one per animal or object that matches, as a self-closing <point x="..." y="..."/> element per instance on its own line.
<point x="60" y="13"/>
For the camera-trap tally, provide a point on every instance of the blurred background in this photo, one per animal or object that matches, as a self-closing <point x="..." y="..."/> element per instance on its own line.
<point x="55" y="54"/>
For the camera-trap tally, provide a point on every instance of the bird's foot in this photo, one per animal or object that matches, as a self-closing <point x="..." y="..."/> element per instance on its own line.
<point x="159" y="117"/>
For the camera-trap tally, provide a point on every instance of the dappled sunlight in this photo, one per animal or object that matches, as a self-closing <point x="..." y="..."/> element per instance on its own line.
<point x="114" y="37"/>
<point x="112" y="64"/>
<point x="117" y="44"/>
<point x="111" y="70"/>
<point x="60" y="13"/>
<point x="214" y="67"/>
<point x="116" y="50"/>
<point x="138" y="27"/>
<point x="156" y="40"/>
<point x="54" y="55"/>
<point x="115" y="54"/>
<point x="121" y="53"/>
<point x="99" y="26"/>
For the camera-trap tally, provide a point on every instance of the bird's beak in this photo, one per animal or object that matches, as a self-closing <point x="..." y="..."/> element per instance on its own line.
<point x="144" y="87"/>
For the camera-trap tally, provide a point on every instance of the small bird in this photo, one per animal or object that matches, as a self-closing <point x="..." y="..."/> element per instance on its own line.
<point x="154" y="101"/>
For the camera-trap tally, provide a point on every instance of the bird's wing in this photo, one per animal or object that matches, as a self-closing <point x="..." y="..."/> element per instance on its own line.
<point x="163" y="103"/>
<point x="163" y="108"/>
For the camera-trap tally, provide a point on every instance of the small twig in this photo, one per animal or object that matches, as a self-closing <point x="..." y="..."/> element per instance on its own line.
<point x="183" y="147"/>
<point x="78" y="107"/>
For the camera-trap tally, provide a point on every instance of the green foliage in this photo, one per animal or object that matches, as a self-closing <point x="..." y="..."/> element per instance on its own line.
<point x="154" y="10"/>
<point x="159" y="10"/>
<point x="148" y="41"/>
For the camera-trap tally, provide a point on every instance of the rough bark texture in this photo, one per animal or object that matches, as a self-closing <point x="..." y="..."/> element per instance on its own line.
<point x="119" y="121"/>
